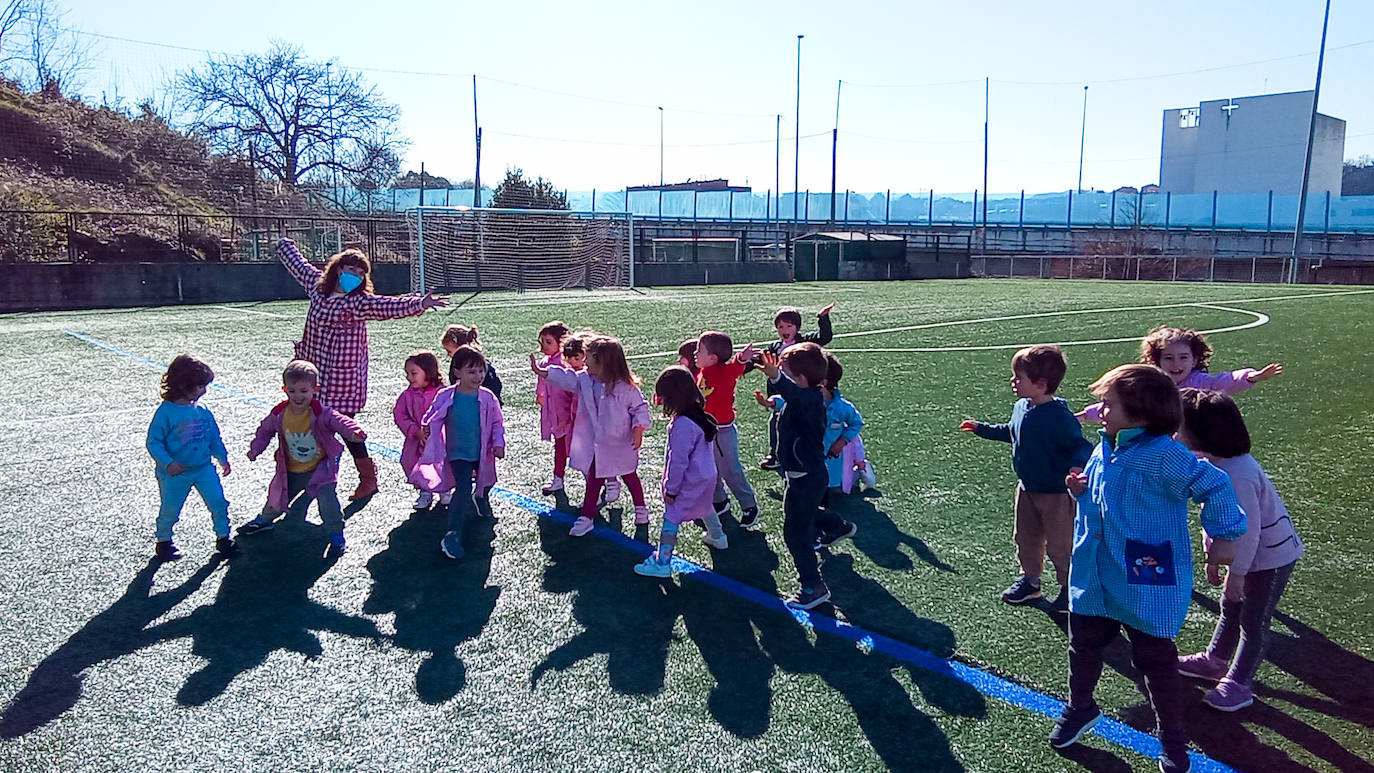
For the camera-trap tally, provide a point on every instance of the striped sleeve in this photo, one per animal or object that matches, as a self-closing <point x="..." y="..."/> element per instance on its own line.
<point x="306" y="275"/>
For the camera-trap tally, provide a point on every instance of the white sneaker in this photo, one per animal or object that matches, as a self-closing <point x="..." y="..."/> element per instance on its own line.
<point x="641" y="515"/>
<point x="581" y="526"/>
<point x="445" y="498"/>
<point x="652" y="567"/>
<point x="719" y="543"/>
<point x="423" y="501"/>
<point x="554" y="485"/>
<point x="868" y="476"/>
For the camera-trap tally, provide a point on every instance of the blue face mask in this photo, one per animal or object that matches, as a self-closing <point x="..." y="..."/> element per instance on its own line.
<point x="349" y="282"/>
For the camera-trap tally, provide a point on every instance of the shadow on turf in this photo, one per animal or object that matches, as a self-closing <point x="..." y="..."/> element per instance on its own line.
<point x="631" y="619"/>
<point x="879" y="537"/>
<point x="438" y="602"/>
<point x="54" y="687"/>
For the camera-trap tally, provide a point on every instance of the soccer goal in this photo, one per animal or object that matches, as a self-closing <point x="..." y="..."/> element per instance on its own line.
<point x="469" y="248"/>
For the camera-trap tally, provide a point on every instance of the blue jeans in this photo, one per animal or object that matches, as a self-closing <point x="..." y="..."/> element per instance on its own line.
<point x="462" y="502"/>
<point x="330" y="511"/>
<point x="174" y="490"/>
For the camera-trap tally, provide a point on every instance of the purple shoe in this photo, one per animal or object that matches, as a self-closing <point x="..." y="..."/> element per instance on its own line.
<point x="1200" y="665"/>
<point x="1229" y="696"/>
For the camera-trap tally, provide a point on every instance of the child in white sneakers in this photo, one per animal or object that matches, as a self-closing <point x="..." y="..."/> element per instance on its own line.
<point x="556" y="407"/>
<point x="689" y="469"/>
<point x="423" y="382"/>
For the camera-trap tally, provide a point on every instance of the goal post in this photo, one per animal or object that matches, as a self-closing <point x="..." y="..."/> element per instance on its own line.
<point x="472" y="248"/>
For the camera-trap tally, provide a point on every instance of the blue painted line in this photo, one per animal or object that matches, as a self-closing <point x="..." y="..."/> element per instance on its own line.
<point x="993" y="686"/>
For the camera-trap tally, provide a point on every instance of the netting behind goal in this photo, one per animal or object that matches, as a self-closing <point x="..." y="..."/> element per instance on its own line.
<point x="464" y="248"/>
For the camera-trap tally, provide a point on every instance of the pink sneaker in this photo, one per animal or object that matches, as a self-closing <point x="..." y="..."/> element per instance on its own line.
<point x="641" y="515"/>
<point x="1229" y="696"/>
<point x="582" y="526"/>
<point x="1200" y="665"/>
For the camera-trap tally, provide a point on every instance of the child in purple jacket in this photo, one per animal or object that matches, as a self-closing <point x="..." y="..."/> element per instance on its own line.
<point x="307" y="453"/>
<point x="689" y="469"/>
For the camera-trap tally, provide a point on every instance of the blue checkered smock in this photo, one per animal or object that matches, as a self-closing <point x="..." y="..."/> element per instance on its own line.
<point x="1132" y="552"/>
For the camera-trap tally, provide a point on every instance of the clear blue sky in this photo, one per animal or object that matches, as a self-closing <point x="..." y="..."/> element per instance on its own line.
<point x="723" y="70"/>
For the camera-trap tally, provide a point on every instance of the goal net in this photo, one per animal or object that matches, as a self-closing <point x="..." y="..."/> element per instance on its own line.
<point x="467" y="248"/>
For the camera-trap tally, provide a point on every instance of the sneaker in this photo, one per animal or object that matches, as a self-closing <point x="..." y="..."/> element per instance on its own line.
<point x="828" y="540"/>
<point x="722" y="507"/>
<point x="868" y="476"/>
<point x="445" y="498"/>
<point x="423" y="501"/>
<point x="1060" y="605"/>
<point x="769" y="462"/>
<point x="166" y="551"/>
<point x="226" y="546"/>
<point x="554" y="485"/>
<point x="581" y="526"/>
<point x="719" y="543"/>
<point x="611" y="493"/>
<point x="1229" y="695"/>
<point x="452" y="545"/>
<point x="1200" y="665"/>
<point x="749" y="519"/>
<point x="652" y="567"/>
<point x="809" y="598"/>
<point x="641" y="515"/>
<point x="1072" y="724"/>
<point x="337" y="545"/>
<point x="254" y="526"/>
<point x="1023" y="591"/>
<point x="1175" y="761"/>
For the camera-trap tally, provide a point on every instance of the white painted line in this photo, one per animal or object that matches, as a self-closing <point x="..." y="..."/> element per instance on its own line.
<point x="253" y="311"/>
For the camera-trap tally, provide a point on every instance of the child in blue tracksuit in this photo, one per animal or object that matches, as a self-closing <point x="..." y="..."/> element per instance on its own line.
<point x="1132" y="553"/>
<point x="183" y="437"/>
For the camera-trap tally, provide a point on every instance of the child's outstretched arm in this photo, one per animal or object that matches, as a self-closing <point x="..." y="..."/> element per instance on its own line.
<point x="986" y="431"/>
<point x="306" y="275"/>
<point x="824" y="332"/>
<point x="266" y="430"/>
<point x="774" y="403"/>
<point x="539" y="370"/>
<point x="1090" y="413"/>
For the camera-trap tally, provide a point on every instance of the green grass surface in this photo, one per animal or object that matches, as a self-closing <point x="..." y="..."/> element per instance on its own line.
<point x="544" y="652"/>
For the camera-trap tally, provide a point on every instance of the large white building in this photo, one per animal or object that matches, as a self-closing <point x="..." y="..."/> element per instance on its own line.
<point x="1250" y="145"/>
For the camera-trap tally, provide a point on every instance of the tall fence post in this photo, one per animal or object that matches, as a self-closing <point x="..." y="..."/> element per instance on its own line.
<point x="975" y="209"/>
<point x="730" y="212"/>
<point x="1021" y="212"/>
<point x="1214" y="211"/>
<point x="1269" y="218"/>
<point x="1068" y="219"/>
<point x="1326" y="227"/>
<point x="887" y="201"/>
<point x="846" y="204"/>
<point x="1112" y="222"/>
<point x="1168" y="206"/>
<point x="806" y="214"/>
<point x="593" y="199"/>
<point x="930" y="208"/>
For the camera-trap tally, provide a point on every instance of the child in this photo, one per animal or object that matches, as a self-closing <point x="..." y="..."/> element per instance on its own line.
<point x="687" y="355"/>
<point x="844" y="455"/>
<point x="467" y="434"/>
<point x="1046" y="442"/>
<point x="461" y="335"/>
<point x="307" y="453"/>
<point x="689" y="469"/>
<point x="555" y="406"/>
<point x="787" y="322"/>
<point x="422" y="375"/>
<point x="182" y="438"/>
<point x="1265" y="554"/>
<point x="1183" y="354"/>
<point x="719" y="372"/>
<point x="801" y="424"/>
<point x="612" y="416"/>
<point x="1132" y="554"/>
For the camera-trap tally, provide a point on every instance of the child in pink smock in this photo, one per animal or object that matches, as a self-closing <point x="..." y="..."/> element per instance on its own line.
<point x="422" y="375"/>
<point x="555" y="405"/>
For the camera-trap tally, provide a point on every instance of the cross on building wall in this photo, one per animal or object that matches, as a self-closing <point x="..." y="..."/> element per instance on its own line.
<point x="1228" y="108"/>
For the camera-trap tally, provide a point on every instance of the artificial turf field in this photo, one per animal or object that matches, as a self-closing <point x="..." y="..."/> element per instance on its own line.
<point x="544" y="652"/>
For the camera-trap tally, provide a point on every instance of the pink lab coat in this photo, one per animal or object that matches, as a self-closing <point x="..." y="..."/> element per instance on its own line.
<point x="604" y="428"/>
<point x="325" y="423"/>
<point x="409" y="414"/>
<point x="432" y="472"/>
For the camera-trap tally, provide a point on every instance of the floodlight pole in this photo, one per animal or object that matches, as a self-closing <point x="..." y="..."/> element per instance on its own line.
<point x="796" y="144"/>
<point x="987" y="102"/>
<point x="1082" y="135"/>
<point x="660" y="147"/>
<point x="1307" y="161"/>
<point x="477" y="136"/>
<point x="777" y="164"/>
<point x="834" y="147"/>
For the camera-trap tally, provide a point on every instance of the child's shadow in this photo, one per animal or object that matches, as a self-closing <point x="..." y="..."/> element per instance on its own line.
<point x="438" y="602"/>
<point x="629" y="618"/>
<point x="54" y="687"/>
<point x="263" y="605"/>
<point x="879" y="537"/>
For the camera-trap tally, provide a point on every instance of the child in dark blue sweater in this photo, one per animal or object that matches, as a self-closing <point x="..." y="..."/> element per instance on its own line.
<point x="796" y="376"/>
<point x="1046" y="441"/>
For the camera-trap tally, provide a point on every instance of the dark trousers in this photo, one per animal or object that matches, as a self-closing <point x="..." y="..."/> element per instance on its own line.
<point x="802" y="519"/>
<point x="356" y="448"/>
<point x="1246" y="623"/>
<point x="773" y="433"/>
<point x="462" y="501"/>
<point x="1155" y="657"/>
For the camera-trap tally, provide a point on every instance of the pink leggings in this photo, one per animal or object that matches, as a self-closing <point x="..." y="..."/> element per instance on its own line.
<point x="594" y="485"/>
<point x="560" y="455"/>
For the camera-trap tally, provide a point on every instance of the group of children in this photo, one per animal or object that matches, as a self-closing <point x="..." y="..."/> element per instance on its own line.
<point x="1112" y="518"/>
<point x="1114" y="521"/>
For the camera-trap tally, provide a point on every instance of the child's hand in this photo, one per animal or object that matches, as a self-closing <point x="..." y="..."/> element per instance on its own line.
<point x="1076" y="482"/>
<point x="358" y="438"/>
<point x="498" y="451"/>
<point x="539" y="400"/>
<point x="825" y="312"/>
<point x="638" y="438"/>
<point x="224" y="468"/>
<point x="431" y="300"/>
<point x="1269" y="371"/>
<point x="770" y="365"/>
<point x="1213" y="575"/>
<point x="1222" y="551"/>
<point x="534" y="366"/>
<point x="968" y="425"/>
<point x="176" y="468"/>
<point x="747" y="354"/>
<point x="669" y="498"/>
<point x="424" y="434"/>
<point x="252" y="457"/>
<point x="1234" y="589"/>
<point x="836" y="448"/>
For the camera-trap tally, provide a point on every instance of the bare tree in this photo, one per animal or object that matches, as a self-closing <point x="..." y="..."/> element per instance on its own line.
<point x="40" y="49"/>
<point x="304" y="121"/>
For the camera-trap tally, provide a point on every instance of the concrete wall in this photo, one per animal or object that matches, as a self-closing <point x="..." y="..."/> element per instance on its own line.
<point x="670" y="274"/>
